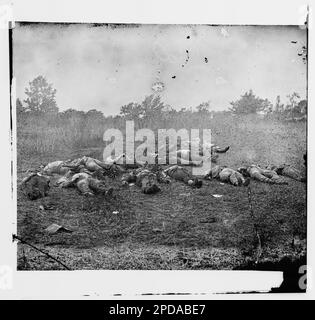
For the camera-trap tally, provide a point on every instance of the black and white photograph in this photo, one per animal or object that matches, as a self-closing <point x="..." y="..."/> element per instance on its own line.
<point x="160" y="146"/>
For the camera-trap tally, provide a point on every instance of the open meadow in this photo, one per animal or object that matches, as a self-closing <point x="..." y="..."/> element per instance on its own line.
<point x="177" y="228"/>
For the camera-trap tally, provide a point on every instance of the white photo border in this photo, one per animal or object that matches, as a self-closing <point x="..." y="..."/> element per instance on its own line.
<point x="133" y="284"/>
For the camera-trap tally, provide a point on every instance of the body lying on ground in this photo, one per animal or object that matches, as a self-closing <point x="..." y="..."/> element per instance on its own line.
<point x="36" y="186"/>
<point x="215" y="150"/>
<point x="85" y="183"/>
<point x="89" y="163"/>
<point x="225" y="174"/>
<point x="147" y="181"/>
<point x="288" y="171"/>
<point x="124" y="161"/>
<point x="76" y="165"/>
<point x="145" y="178"/>
<point x="184" y="156"/>
<point x="182" y="174"/>
<point x="263" y="175"/>
<point x="56" y="167"/>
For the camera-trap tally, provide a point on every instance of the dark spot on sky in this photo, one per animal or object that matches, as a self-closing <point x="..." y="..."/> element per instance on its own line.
<point x="188" y="37"/>
<point x="187" y="57"/>
<point x="173" y="77"/>
<point x="206" y="60"/>
<point x="293" y="41"/>
<point x="183" y="66"/>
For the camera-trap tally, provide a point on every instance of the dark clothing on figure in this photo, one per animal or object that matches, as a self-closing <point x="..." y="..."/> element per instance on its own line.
<point x="288" y="171"/>
<point x="182" y="174"/>
<point x="85" y="183"/>
<point x="225" y="174"/>
<point x="263" y="175"/>
<point x="147" y="180"/>
<point x="36" y="186"/>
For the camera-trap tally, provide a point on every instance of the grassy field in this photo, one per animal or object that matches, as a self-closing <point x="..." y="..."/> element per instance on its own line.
<point x="180" y="227"/>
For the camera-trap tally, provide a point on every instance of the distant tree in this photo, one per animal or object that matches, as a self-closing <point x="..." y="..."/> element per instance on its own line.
<point x="203" y="107"/>
<point x="302" y="105"/>
<point x="150" y="111"/>
<point x="94" y="123"/>
<point x="95" y="115"/>
<point x="249" y="103"/>
<point x="72" y="113"/>
<point x="299" y="108"/>
<point x="131" y="111"/>
<point x="293" y="102"/>
<point x="279" y="107"/>
<point x="153" y="108"/>
<point x="293" y="98"/>
<point x="41" y="97"/>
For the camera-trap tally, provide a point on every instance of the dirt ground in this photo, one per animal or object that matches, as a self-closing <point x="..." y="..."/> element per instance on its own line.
<point x="178" y="228"/>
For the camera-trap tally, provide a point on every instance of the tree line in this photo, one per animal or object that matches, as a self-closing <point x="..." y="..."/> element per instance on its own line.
<point x="41" y="102"/>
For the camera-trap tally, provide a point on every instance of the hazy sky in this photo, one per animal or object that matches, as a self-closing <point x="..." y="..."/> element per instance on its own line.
<point x="105" y="67"/>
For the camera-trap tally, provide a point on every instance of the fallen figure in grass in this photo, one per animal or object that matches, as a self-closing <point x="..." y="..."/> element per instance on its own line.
<point x="182" y="174"/>
<point x="85" y="183"/>
<point x="184" y="156"/>
<point x="128" y="163"/>
<point x="62" y="167"/>
<point x="35" y="186"/>
<point x="145" y="178"/>
<point x="55" y="167"/>
<point x="225" y="174"/>
<point x="75" y="165"/>
<point x="89" y="163"/>
<point x="262" y="175"/>
<point x="288" y="171"/>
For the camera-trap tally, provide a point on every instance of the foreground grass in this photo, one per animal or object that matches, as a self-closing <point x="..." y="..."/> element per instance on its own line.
<point x="177" y="228"/>
<point x="130" y="256"/>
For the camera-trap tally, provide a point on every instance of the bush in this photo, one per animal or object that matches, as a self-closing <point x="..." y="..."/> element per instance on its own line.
<point x="249" y="103"/>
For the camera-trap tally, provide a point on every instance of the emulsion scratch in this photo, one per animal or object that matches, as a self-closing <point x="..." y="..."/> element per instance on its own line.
<point x="187" y="58"/>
